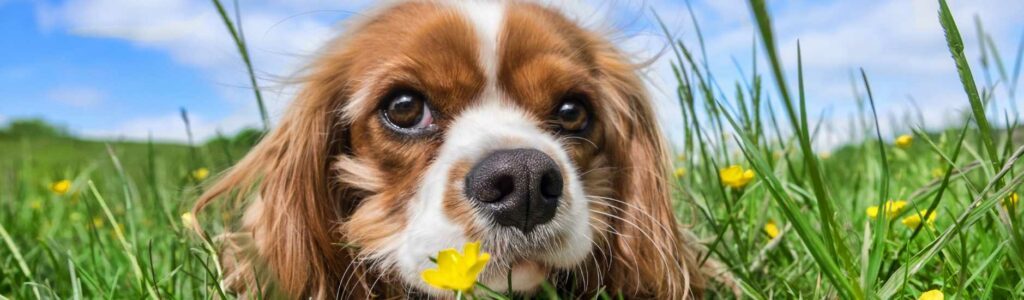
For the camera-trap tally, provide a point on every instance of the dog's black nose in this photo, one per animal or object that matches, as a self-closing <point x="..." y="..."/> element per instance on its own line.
<point x="518" y="187"/>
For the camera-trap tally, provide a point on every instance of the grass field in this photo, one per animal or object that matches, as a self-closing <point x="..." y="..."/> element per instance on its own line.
<point x="801" y="228"/>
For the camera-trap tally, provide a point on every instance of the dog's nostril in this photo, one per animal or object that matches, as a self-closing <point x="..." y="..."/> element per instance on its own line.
<point x="503" y="186"/>
<point x="551" y="184"/>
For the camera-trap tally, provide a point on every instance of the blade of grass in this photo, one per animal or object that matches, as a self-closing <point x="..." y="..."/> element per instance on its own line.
<point x="880" y="229"/>
<point x="125" y="245"/>
<point x="18" y="257"/>
<point x="974" y="212"/>
<point x="956" y="47"/>
<point x="1016" y="69"/>
<point x="807" y="233"/>
<point x="236" y="35"/>
<point x="838" y="251"/>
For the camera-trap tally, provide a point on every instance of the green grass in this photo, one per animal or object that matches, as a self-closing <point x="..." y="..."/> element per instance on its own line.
<point x="67" y="246"/>
<point x="118" y="233"/>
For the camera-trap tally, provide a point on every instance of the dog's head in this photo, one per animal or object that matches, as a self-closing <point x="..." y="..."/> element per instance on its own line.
<point x="430" y="124"/>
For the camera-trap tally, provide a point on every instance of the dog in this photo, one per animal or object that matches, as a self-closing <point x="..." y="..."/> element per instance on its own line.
<point x="430" y="124"/>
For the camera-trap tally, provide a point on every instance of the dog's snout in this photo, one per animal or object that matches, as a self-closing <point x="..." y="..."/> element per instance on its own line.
<point x="518" y="187"/>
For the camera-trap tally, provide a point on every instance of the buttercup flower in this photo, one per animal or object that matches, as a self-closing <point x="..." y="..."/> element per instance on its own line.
<point x="187" y="219"/>
<point x="913" y="221"/>
<point x="200" y="174"/>
<point x="457" y="271"/>
<point x="61" y="187"/>
<point x="735" y="176"/>
<point x="680" y="172"/>
<point x="904" y="141"/>
<point x="892" y="208"/>
<point x="932" y="295"/>
<point x="771" y="229"/>
<point x="1011" y="200"/>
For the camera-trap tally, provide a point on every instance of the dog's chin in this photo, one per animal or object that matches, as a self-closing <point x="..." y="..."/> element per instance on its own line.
<point x="525" y="261"/>
<point x="525" y="277"/>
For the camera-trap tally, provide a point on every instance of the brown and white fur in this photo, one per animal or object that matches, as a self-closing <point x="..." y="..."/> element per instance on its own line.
<point x="343" y="206"/>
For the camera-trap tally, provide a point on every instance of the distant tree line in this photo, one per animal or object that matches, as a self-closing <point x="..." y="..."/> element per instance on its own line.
<point x="38" y="128"/>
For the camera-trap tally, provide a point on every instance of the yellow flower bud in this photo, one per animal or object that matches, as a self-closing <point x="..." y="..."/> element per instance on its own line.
<point x="200" y="174"/>
<point x="187" y="219"/>
<point x="913" y="221"/>
<point x="904" y="141"/>
<point x="1011" y="201"/>
<point x="892" y="209"/>
<point x="771" y="229"/>
<point x="680" y="172"/>
<point x="932" y="295"/>
<point x="735" y="176"/>
<point x="61" y="187"/>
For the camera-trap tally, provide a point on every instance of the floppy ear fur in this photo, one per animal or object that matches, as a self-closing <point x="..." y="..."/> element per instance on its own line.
<point x="650" y="259"/>
<point x="289" y="232"/>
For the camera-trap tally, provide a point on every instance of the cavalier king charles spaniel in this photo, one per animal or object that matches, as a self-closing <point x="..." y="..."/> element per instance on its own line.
<point x="430" y="124"/>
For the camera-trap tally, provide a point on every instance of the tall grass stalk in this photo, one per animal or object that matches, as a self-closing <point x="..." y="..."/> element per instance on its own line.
<point x="243" y="50"/>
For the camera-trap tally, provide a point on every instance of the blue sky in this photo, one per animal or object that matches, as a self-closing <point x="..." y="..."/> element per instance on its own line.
<point x="123" y="68"/>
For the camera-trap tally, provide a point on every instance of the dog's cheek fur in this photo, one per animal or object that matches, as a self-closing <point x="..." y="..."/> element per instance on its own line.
<point x="456" y="207"/>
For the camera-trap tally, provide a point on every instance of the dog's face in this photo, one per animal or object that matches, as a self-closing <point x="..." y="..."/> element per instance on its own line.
<point x="435" y="123"/>
<point x="478" y="120"/>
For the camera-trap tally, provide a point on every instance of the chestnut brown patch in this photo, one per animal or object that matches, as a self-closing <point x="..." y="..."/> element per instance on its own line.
<point x="456" y="206"/>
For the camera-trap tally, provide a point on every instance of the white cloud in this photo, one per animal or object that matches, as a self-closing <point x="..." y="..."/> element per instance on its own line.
<point x="77" y="96"/>
<point x="281" y="35"/>
<point x="899" y="43"/>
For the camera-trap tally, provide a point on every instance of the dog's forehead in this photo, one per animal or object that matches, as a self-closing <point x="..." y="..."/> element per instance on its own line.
<point x="455" y="51"/>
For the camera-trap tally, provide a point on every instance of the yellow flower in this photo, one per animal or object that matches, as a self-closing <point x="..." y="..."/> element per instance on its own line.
<point x="932" y="295"/>
<point x="904" y="141"/>
<point x="97" y="222"/>
<point x="680" y="172"/>
<point x="938" y="173"/>
<point x="455" y="271"/>
<point x="61" y="187"/>
<point x="735" y="176"/>
<point x="187" y="219"/>
<point x="913" y="221"/>
<point x="892" y="208"/>
<point x="1011" y="201"/>
<point x="200" y="174"/>
<point x="771" y="229"/>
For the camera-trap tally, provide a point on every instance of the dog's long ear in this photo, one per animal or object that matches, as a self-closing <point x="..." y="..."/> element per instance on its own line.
<point x="648" y="243"/>
<point x="296" y="203"/>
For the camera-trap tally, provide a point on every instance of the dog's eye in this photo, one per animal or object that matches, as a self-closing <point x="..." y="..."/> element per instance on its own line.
<point x="571" y="115"/>
<point x="407" y="109"/>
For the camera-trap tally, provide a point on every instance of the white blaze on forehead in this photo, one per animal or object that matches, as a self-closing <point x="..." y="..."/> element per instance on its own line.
<point x="486" y="17"/>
